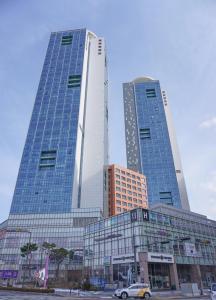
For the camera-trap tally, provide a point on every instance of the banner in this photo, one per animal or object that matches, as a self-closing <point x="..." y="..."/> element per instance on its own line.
<point x="7" y="274"/>
<point x="190" y="249"/>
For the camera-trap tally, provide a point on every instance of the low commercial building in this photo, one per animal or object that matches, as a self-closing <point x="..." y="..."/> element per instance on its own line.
<point x="164" y="246"/>
<point x="65" y="230"/>
<point x="127" y="189"/>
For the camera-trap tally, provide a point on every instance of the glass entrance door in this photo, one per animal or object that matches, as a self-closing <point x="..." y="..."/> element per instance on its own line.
<point x="159" y="276"/>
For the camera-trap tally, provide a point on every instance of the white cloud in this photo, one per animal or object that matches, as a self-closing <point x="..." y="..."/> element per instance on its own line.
<point x="209" y="123"/>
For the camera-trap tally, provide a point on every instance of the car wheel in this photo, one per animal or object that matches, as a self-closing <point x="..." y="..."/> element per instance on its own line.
<point x="124" y="295"/>
<point x="146" y="296"/>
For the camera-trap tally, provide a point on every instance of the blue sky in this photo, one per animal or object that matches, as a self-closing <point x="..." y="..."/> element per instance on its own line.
<point x="170" y="40"/>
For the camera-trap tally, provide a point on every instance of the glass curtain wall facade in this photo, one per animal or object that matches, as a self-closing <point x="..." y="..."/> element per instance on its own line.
<point x="64" y="230"/>
<point x="111" y="245"/>
<point x="60" y="184"/>
<point x="54" y="162"/>
<point x="148" y="141"/>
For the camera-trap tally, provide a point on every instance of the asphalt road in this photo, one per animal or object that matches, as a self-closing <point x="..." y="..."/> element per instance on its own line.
<point x="6" y="295"/>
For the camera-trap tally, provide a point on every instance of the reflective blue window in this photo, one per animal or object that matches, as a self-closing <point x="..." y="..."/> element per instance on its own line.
<point x="45" y="179"/>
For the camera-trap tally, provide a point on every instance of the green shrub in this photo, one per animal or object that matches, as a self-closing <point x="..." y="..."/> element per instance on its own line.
<point x="32" y="290"/>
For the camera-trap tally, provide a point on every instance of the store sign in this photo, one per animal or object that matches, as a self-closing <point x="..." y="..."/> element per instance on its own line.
<point x="7" y="274"/>
<point x="160" y="257"/>
<point x="190" y="249"/>
<point x="122" y="259"/>
<point x="133" y="215"/>
<point x="145" y="214"/>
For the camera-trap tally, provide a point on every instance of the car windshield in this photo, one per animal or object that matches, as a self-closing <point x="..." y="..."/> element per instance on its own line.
<point x="214" y="287"/>
<point x="133" y="287"/>
<point x="138" y="286"/>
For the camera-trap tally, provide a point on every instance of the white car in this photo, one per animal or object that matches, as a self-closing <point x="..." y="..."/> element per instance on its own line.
<point x="137" y="290"/>
<point x="213" y="291"/>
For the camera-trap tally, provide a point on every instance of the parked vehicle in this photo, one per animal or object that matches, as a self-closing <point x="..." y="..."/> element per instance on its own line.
<point x="213" y="291"/>
<point x="137" y="290"/>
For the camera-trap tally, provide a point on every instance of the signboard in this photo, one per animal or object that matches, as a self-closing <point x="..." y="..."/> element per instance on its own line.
<point x="7" y="274"/>
<point x="41" y="274"/>
<point x="160" y="257"/>
<point x="122" y="259"/>
<point x="133" y="215"/>
<point x="100" y="282"/>
<point x="107" y="260"/>
<point x="27" y="267"/>
<point x="145" y="214"/>
<point x="190" y="249"/>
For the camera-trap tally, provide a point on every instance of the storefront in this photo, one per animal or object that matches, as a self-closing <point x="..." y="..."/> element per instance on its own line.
<point x="164" y="250"/>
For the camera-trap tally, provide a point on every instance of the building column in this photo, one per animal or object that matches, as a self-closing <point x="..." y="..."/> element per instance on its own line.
<point x="111" y="273"/>
<point x="174" y="275"/>
<point x="143" y="261"/>
<point x="196" y="275"/>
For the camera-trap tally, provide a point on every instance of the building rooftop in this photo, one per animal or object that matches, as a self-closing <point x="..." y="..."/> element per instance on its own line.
<point x="143" y="79"/>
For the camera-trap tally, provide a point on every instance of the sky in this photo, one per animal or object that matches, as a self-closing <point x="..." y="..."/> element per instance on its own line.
<point x="170" y="40"/>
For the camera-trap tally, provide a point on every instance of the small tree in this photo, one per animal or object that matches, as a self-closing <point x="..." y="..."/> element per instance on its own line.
<point x="48" y="246"/>
<point x="57" y="256"/>
<point x="26" y="251"/>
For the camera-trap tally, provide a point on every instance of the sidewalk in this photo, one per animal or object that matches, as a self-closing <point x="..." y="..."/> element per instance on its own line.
<point x="176" y="295"/>
<point x="109" y="294"/>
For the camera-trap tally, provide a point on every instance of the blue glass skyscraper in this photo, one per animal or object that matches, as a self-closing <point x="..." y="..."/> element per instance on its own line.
<point x="150" y="142"/>
<point x="60" y="168"/>
<point x="60" y="184"/>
